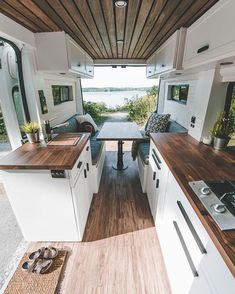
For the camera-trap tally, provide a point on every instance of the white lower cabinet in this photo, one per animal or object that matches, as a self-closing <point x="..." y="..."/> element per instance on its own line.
<point x="156" y="179"/>
<point x="50" y="208"/>
<point x="193" y="263"/>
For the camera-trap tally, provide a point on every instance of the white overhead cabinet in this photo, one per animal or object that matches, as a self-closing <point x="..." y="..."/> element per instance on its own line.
<point x="58" y="53"/>
<point x="212" y="36"/>
<point x="168" y="57"/>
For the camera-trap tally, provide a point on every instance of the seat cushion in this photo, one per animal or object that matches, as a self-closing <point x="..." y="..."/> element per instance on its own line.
<point x="71" y="128"/>
<point x="174" y="127"/>
<point x="143" y="151"/>
<point x="96" y="150"/>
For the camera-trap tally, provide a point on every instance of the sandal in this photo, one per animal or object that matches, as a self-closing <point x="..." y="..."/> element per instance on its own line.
<point x="38" y="266"/>
<point x="42" y="265"/>
<point x="44" y="253"/>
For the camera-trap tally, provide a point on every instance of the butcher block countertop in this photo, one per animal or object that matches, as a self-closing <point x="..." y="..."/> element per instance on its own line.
<point x="42" y="156"/>
<point x="189" y="160"/>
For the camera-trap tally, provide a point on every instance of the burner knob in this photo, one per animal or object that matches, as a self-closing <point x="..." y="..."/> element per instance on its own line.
<point x="205" y="191"/>
<point x="220" y="208"/>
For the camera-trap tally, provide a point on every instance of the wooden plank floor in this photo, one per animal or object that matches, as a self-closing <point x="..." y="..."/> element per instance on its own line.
<point x="120" y="252"/>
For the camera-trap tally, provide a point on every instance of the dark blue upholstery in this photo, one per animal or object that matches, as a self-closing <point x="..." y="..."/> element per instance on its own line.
<point x="71" y="128"/>
<point x="143" y="151"/>
<point x="96" y="146"/>
<point x="143" y="148"/>
<point x="174" y="127"/>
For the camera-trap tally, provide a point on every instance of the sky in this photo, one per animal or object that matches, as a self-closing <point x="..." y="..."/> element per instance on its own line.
<point x="119" y="77"/>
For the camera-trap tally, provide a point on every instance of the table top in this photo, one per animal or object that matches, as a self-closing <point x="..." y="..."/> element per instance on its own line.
<point x="115" y="131"/>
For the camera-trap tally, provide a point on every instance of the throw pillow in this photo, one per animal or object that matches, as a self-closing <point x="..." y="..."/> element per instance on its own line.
<point x="86" y="127"/>
<point x="87" y="118"/>
<point x="157" y="123"/>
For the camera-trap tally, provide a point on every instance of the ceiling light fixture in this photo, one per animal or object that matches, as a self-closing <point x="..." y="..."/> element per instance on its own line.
<point x="120" y="4"/>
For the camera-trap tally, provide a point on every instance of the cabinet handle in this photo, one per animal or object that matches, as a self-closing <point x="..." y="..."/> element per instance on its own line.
<point x="87" y="167"/>
<point x="191" y="228"/>
<point x="85" y="174"/>
<point x="158" y="159"/>
<point x="154" y="176"/>
<point x="204" y="48"/>
<point x="155" y="160"/>
<point x="157" y="183"/>
<point x="163" y="65"/>
<point x="90" y="70"/>
<point x="79" y="164"/>
<point x="188" y="256"/>
<point x="150" y="71"/>
<point x="87" y="148"/>
<point x="79" y="64"/>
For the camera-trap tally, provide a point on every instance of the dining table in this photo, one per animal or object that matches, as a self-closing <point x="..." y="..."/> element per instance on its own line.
<point x="120" y="132"/>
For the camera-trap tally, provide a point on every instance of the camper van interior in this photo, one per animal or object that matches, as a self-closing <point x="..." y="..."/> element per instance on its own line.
<point x="123" y="207"/>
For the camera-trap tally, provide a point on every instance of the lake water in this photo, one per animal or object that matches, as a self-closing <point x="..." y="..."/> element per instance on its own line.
<point x="112" y="99"/>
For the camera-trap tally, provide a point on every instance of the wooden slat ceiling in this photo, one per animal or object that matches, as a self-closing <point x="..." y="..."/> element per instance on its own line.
<point x="104" y="30"/>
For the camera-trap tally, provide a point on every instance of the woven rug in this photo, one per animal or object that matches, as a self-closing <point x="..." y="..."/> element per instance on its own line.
<point x="23" y="282"/>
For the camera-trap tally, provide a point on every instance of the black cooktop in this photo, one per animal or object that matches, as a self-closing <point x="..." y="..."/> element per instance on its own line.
<point x="225" y="191"/>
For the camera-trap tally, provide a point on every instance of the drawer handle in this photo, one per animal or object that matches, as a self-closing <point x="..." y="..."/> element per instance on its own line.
<point x="150" y="71"/>
<point x="87" y="167"/>
<point x="154" y="176"/>
<point x="158" y="159"/>
<point x="79" y="164"/>
<point x="187" y="254"/>
<point x="85" y="174"/>
<point x="202" y="49"/>
<point x="155" y="160"/>
<point x="163" y="65"/>
<point x="191" y="228"/>
<point x="157" y="183"/>
<point x="87" y="148"/>
<point x="79" y="64"/>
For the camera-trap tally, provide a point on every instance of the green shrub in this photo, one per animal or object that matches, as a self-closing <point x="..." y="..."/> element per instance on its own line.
<point x="140" y="108"/>
<point x="95" y="109"/>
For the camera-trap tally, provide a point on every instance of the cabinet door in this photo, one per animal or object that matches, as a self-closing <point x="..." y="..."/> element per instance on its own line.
<point x="89" y="66"/>
<point x="150" y="67"/>
<point x="184" y="274"/>
<point x="76" y="57"/>
<point x="166" y="55"/>
<point x="211" y="37"/>
<point x="151" y="189"/>
<point x="81" y="200"/>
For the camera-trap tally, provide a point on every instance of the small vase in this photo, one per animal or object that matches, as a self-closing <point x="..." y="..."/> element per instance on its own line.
<point x="33" y="137"/>
<point x="220" y="143"/>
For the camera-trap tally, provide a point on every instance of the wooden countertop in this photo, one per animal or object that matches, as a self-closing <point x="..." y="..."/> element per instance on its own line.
<point x="190" y="160"/>
<point x="42" y="156"/>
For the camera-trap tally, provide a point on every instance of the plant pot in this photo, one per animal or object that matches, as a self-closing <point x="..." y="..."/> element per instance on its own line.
<point x="220" y="143"/>
<point x="33" y="137"/>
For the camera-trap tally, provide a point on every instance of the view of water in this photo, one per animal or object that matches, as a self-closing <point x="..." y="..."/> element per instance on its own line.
<point x="112" y="99"/>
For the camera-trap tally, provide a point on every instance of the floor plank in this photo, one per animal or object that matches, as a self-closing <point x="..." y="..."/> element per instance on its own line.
<point x="120" y="252"/>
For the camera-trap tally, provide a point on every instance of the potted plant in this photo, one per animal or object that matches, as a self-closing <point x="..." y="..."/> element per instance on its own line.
<point x="223" y="129"/>
<point x="31" y="130"/>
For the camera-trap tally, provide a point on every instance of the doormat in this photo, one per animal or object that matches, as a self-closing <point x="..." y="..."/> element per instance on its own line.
<point x="30" y="283"/>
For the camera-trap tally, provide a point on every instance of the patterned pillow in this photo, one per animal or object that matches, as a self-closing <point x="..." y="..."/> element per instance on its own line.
<point x="157" y="123"/>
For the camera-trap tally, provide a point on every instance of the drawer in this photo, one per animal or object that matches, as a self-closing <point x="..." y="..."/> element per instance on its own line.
<point x="83" y="159"/>
<point x="211" y="37"/>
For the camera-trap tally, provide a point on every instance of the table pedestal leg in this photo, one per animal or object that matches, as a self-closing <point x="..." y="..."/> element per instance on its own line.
<point x="120" y="165"/>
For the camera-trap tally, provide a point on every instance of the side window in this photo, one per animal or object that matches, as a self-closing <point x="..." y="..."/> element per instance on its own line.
<point x="18" y="104"/>
<point x="61" y="94"/>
